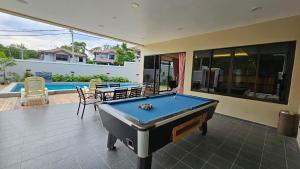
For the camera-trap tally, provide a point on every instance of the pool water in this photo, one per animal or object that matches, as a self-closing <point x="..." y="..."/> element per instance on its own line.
<point x="62" y="86"/>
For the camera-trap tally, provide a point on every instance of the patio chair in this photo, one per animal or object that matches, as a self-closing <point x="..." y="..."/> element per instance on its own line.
<point x="114" y="85"/>
<point x="92" y="86"/>
<point x="85" y="100"/>
<point x="120" y="93"/>
<point x="135" y="92"/>
<point x="34" y="87"/>
<point x="99" y="86"/>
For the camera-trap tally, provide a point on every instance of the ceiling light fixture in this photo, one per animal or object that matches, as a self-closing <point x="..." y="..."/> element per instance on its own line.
<point x="23" y="1"/>
<point x="100" y="26"/>
<point x="114" y="17"/>
<point x="257" y="8"/>
<point x="135" y="5"/>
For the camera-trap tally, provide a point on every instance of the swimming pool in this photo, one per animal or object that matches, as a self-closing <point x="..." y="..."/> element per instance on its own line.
<point x="63" y="86"/>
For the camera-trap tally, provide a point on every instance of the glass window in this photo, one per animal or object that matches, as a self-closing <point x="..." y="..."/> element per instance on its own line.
<point x="62" y="57"/>
<point x="244" y="71"/>
<point x="261" y="72"/>
<point x="219" y="73"/>
<point x="112" y="57"/>
<point x="271" y="72"/>
<point x="200" y="77"/>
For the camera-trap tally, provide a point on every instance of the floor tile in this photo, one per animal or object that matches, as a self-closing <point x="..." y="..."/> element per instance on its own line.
<point x="193" y="161"/>
<point x="53" y="137"/>
<point x="220" y="162"/>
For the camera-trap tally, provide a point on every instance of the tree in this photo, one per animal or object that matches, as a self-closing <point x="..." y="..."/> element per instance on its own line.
<point x="31" y="54"/>
<point x="96" y="48"/>
<point x="4" y="63"/>
<point x="15" y="51"/>
<point x="123" y="54"/>
<point x="89" y="61"/>
<point x="79" y="47"/>
<point x="107" y="47"/>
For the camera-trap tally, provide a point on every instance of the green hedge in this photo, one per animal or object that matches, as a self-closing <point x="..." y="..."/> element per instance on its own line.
<point x="70" y="78"/>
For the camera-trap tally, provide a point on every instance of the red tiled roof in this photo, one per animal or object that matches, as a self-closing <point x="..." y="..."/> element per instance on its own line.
<point x="104" y="51"/>
<point x="103" y="60"/>
<point x="62" y="49"/>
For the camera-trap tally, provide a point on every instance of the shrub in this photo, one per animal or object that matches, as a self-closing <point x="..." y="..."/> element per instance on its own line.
<point x="28" y="73"/>
<point x="14" y="77"/>
<point x="57" y="78"/>
<point x="119" y="79"/>
<point x="71" y="78"/>
<point x="82" y="78"/>
<point x="104" y="78"/>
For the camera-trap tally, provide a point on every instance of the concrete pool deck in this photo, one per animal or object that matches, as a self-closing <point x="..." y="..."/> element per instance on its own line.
<point x="13" y="103"/>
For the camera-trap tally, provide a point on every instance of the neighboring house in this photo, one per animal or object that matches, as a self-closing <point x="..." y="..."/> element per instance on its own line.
<point x="104" y="57"/>
<point x="137" y="52"/>
<point x="62" y="55"/>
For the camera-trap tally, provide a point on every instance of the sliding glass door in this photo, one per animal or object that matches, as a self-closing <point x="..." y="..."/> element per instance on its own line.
<point x="166" y="75"/>
<point x="151" y="74"/>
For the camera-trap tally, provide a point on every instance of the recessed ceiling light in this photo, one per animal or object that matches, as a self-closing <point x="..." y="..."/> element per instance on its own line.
<point x="179" y="28"/>
<point x="114" y="17"/>
<point x="257" y="8"/>
<point x="23" y="1"/>
<point x="135" y="5"/>
<point x="100" y="26"/>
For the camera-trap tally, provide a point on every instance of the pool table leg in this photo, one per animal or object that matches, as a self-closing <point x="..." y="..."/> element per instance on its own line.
<point x="144" y="163"/>
<point x="204" y="128"/>
<point x="111" y="140"/>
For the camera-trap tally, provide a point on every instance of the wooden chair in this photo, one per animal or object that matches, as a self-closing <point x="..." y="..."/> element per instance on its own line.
<point x="135" y="92"/>
<point x="149" y="90"/>
<point x="99" y="86"/>
<point x="114" y="85"/>
<point x="85" y="101"/>
<point x="120" y="93"/>
<point x="102" y="85"/>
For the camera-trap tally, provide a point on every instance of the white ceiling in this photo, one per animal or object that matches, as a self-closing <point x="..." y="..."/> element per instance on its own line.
<point x="155" y="20"/>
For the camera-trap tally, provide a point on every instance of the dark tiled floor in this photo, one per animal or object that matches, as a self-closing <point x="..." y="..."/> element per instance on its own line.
<point x="53" y="137"/>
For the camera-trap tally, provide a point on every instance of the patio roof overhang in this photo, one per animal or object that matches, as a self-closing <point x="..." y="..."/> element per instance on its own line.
<point x="147" y="22"/>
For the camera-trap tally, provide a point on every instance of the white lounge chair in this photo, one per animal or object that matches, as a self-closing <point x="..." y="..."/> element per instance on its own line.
<point x="34" y="87"/>
<point x="92" y="86"/>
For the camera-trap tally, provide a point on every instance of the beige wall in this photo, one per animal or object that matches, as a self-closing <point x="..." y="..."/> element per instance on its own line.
<point x="274" y="31"/>
<point x="298" y="138"/>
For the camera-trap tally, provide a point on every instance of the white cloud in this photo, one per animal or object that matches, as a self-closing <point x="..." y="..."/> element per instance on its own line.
<point x="9" y="22"/>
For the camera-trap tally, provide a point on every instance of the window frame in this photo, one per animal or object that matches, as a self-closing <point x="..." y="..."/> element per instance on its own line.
<point x="289" y="71"/>
<point x="60" y="56"/>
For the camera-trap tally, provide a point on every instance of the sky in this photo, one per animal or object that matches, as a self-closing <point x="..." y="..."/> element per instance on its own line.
<point x="62" y="37"/>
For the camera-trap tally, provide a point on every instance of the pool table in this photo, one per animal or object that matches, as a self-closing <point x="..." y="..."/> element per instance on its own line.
<point x="172" y="117"/>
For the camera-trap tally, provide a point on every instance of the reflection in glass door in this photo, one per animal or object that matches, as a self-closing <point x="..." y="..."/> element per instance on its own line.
<point x="166" y="75"/>
<point x="151" y="74"/>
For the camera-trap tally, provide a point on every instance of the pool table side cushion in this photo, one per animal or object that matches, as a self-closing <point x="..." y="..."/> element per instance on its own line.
<point x="153" y="137"/>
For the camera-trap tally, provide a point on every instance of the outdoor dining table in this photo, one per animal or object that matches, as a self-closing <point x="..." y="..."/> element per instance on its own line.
<point x="103" y="91"/>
